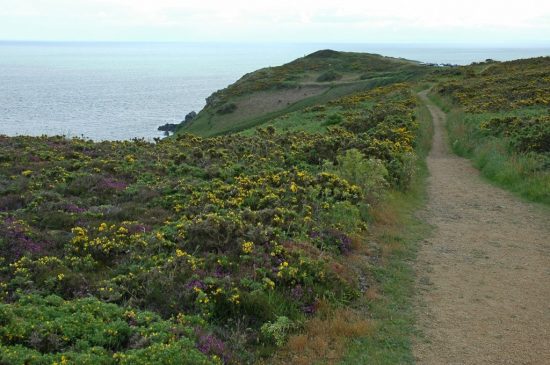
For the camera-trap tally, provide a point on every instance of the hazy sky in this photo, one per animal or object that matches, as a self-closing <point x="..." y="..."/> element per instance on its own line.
<point x="457" y="21"/>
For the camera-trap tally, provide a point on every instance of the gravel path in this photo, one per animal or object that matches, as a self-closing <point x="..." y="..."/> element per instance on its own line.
<point x="484" y="274"/>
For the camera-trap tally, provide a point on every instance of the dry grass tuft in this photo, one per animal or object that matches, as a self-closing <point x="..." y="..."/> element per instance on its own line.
<point x="388" y="249"/>
<point x="385" y="215"/>
<point x="297" y="343"/>
<point x="358" y="244"/>
<point x="324" y="337"/>
<point x="372" y="293"/>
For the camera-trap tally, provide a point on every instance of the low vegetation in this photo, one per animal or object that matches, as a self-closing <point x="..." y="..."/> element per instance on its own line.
<point x="308" y="81"/>
<point x="309" y="68"/>
<point x="192" y="250"/>
<point x="329" y="76"/>
<point x="499" y="118"/>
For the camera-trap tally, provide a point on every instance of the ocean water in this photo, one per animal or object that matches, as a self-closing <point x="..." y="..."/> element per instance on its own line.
<point x="114" y="91"/>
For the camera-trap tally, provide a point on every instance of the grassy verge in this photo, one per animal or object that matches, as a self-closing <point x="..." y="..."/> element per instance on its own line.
<point x="442" y="103"/>
<point x="388" y="301"/>
<point x="525" y="174"/>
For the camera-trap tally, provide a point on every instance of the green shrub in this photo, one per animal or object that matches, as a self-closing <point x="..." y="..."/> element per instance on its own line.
<point x="329" y="76"/>
<point x="278" y="330"/>
<point x="333" y="119"/>
<point x="404" y="169"/>
<point x="227" y="108"/>
<point x="369" y="174"/>
<point x="46" y="330"/>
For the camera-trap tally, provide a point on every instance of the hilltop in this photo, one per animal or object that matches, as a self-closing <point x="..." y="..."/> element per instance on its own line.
<point x="314" y="79"/>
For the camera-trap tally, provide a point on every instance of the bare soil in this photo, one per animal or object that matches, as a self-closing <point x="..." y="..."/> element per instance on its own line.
<point x="484" y="275"/>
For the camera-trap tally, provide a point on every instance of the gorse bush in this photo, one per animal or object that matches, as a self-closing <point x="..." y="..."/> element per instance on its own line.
<point x="501" y="86"/>
<point x="369" y="174"/>
<point x="46" y="330"/>
<point x="329" y="76"/>
<point x="524" y="134"/>
<point x="503" y="122"/>
<point x="220" y="237"/>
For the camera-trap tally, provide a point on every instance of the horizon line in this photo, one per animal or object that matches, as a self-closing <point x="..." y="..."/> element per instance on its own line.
<point x="516" y="44"/>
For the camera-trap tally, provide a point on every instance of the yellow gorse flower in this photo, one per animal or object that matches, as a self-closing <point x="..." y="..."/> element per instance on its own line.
<point x="247" y="247"/>
<point x="181" y="253"/>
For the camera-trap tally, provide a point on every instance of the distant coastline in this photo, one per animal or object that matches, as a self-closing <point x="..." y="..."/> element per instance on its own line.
<point x="124" y="90"/>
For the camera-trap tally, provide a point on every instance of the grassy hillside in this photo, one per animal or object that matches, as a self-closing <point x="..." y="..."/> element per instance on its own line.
<point x="314" y="79"/>
<point x="499" y="116"/>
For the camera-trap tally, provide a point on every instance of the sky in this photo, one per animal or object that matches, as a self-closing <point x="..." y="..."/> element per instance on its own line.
<point x="348" y="21"/>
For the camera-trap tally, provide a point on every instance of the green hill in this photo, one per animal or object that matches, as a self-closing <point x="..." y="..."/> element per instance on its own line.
<point x="314" y="79"/>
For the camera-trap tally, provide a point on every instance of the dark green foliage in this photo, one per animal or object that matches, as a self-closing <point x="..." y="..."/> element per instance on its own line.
<point x="333" y="120"/>
<point x="227" y="108"/>
<point x="329" y="76"/>
<point x="525" y="134"/>
<point x="46" y="330"/>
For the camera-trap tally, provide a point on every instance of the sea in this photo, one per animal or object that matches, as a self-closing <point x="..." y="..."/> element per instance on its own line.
<point x="121" y="91"/>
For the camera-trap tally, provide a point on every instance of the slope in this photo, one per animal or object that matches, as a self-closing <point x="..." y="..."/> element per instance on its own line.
<point x="317" y="78"/>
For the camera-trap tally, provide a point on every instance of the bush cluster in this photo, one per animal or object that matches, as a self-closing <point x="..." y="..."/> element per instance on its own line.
<point x="501" y="86"/>
<point x="525" y="134"/>
<point x="502" y="121"/>
<point x="226" y="244"/>
<point x="329" y="76"/>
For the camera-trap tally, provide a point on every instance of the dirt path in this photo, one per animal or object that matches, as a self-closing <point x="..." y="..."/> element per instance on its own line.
<point x="484" y="275"/>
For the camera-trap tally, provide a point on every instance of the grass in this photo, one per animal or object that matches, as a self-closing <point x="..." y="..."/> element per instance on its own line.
<point x="520" y="173"/>
<point x="443" y="103"/>
<point x="390" y="304"/>
<point x="324" y="338"/>
<point x="332" y="93"/>
<point x="306" y="119"/>
<point x="389" y="301"/>
<point x="513" y="172"/>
